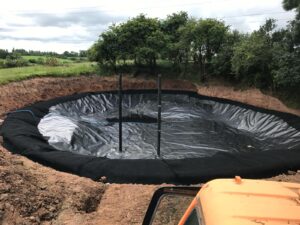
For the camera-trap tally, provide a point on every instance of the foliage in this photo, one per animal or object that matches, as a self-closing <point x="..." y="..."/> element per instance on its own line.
<point x="208" y="37"/>
<point x="221" y="64"/>
<point x="15" y="60"/>
<point x="51" y="61"/>
<point x="145" y="40"/>
<point x="3" y="53"/>
<point x="21" y="57"/>
<point x="139" y="39"/>
<point x="290" y="5"/>
<point x="2" y="63"/>
<point x="172" y="28"/>
<point x="288" y="73"/>
<point x="252" y="57"/>
<point x="35" y="60"/>
<point x="70" y="54"/>
<point x="82" y="53"/>
<point x="265" y="58"/>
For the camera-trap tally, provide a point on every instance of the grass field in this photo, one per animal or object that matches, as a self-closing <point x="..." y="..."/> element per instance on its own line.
<point x="60" y="60"/>
<point x="20" y="73"/>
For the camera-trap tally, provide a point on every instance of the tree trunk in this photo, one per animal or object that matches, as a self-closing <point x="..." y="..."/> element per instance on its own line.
<point x="152" y="65"/>
<point x="186" y="62"/>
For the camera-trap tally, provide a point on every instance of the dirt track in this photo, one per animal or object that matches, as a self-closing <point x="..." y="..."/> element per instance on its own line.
<point x="33" y="194"/>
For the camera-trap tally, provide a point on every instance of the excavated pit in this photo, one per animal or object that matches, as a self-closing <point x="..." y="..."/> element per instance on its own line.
<point x="202" y="137"/>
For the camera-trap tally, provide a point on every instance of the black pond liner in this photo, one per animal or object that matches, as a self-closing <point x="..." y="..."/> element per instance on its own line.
<point x="202" y="137"/>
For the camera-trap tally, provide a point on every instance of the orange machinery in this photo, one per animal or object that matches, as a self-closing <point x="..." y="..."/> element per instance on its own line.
<point x="242" y="202"/>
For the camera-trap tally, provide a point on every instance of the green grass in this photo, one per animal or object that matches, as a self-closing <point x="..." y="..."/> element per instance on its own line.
<point x="60" y="60"/>
<point x="21" y="73"/>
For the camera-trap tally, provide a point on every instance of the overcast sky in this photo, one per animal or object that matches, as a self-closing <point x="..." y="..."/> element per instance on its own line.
<point x="74" y="25"/>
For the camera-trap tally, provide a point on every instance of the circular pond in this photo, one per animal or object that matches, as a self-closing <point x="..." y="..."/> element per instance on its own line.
<point x="202" y="137"/>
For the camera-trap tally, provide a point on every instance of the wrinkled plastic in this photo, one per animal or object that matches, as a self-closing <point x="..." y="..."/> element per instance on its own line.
<point x="191" y="127"/>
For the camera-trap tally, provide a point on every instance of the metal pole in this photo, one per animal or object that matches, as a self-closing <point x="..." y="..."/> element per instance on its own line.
<point x="158" y="113"/>
<point x="120" y="112"/>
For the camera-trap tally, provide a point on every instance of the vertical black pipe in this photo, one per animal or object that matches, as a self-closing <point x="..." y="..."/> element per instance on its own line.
<point x="158" y="113"/>
<point x="120" y="112"/>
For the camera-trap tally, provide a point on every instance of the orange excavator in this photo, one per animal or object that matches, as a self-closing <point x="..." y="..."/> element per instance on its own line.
<point x="234" y="202"/>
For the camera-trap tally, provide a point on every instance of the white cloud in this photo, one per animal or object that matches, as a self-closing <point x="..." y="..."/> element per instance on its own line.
<point x="59" y="26"/>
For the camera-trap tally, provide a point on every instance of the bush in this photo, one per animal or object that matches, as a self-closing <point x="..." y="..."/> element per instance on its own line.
<point x="15" y="63"/>
<point x="51" y="61"/>
<point x="3" y="53"/>
<point x="2" y="63"/>
<point x="34" y="61"/>
<point x="15" y="60"/>
<point x="40" y="61"/>
<point x="287" y="76"/>
<point x="251" y="60"/>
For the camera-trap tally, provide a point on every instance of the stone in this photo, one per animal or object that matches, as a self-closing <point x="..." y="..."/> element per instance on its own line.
<point x="32" y="218"/>
<point x="103" y="179"/>
<point x="3" y="196"/>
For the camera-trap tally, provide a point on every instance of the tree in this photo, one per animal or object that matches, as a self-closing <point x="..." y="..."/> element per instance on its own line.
<point x="290" y="5"/>
<point x="208" y="37"/>
<point x="139" y="39"/>
<point x="265" y="58"/>
<point x="252" y="57"/>
<point x="142" y="39"/>
<point x="82" y="53"/>
<point x="221" y="63"/>
<point x="107" y="48"/>
<point x="172" y="27"/>
<point x="152" y="48"/>
<point x="287" y="75"/>
<point x="286" y="60"/>
<point x="186" y="44"/>
<point x="93" y="53"/>
<point x="3" y="53"/>
<point x="20" y="51"/>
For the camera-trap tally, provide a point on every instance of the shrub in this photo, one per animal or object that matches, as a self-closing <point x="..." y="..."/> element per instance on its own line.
<point x="3" y="53"/>
<point x="2" y="63"/>
<point x="34" y="61"/>
<point x="15" y="60"/>
<point x="51" y="61"/>
<point x="40" y="61"/>
<point x="16" y="63"/>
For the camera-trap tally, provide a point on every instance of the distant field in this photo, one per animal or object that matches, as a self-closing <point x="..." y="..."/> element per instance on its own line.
<point x="60" y="60"/>
<point x="20" y="73"/>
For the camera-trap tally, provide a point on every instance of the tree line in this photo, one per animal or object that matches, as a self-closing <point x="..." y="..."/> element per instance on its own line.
<point x="15" y="57"/>
<point x="268" y="57"/>
<point x="4" y="53"/>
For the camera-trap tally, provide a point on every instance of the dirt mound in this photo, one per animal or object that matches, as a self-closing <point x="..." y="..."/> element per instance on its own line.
<point x="250" y="96"/>
<point x="34" y="194"/>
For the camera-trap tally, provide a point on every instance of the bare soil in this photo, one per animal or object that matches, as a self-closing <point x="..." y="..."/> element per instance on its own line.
<point x="34" y="194"/>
